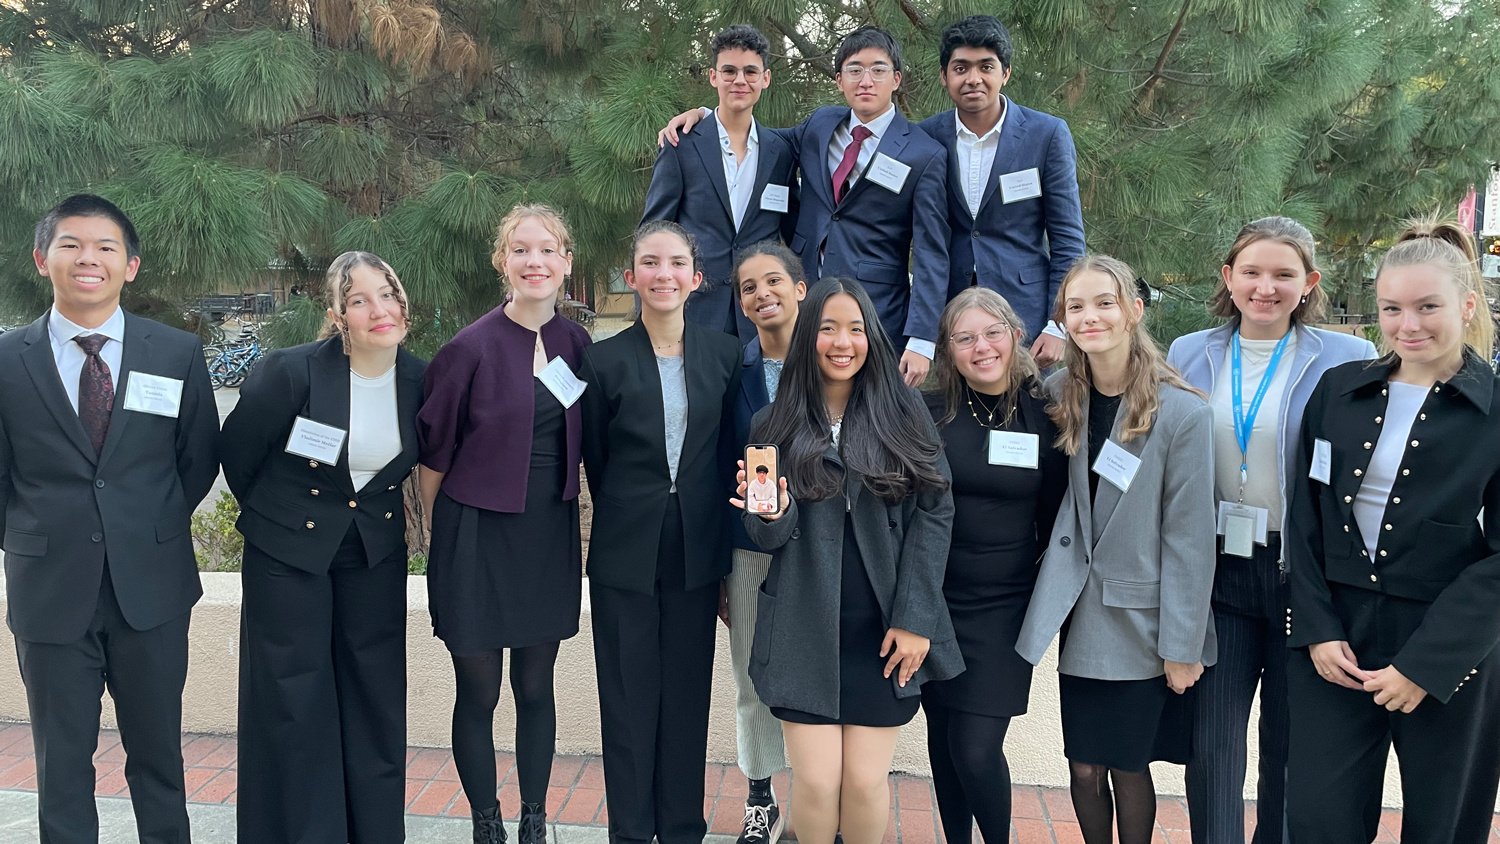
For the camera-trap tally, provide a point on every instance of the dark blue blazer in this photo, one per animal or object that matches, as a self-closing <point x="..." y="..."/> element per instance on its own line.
<point x="1020" y="249"/>
<point x="688" y="187"/>
<point x="872" y="233"/>
<point x="752" y="397"/>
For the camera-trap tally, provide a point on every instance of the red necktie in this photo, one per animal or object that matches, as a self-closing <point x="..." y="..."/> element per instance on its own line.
<point x="846" y="166"/>
<point x="96" y="393"/>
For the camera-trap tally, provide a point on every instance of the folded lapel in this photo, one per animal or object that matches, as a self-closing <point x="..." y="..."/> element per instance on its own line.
<point x="1078" y="487"/>
<point x="328" y="402"/>
<point x="653" y="416"/>
<point x="408" y="400"/>
<point x="42" y="367"/>
<point x="819" y="136"/>
<point x="705" y="142"/>
<point x="1108" y="498"/>
<point x="947" y="135"/>
<point x="1011" y="135"/>
<point x="135" y="357"/>
<point x="765" y="161"/>
<point x="891" y="145"/>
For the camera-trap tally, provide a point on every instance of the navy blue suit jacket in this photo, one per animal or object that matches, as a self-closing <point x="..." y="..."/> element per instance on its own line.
<point x="688" y="187"/>
<point x="872" y="234"/>
<point x="1021" y="249"/>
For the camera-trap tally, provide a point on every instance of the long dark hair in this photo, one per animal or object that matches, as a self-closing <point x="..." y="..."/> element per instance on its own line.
<point x="883" y="438"/>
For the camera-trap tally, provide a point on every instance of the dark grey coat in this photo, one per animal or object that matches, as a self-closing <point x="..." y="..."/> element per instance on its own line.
<point x="794" y="662"/>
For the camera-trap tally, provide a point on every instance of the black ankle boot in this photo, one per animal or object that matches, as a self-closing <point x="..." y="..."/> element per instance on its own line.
<point x="533" y="829"/>
<point x="488" y="828"/>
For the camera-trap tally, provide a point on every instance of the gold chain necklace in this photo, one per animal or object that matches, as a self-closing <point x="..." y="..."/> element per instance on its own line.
<point x="989" y="421"/>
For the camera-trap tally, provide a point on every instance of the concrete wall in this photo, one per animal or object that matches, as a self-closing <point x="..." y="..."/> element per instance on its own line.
<point x="1034" y="745"/>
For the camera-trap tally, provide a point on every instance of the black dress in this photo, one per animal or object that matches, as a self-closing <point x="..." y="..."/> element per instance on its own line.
<point x="510" y="580"/>
<point x="867" y="698"/>
<point x="1002" y="518"/>
<point x="1123" y="724"/>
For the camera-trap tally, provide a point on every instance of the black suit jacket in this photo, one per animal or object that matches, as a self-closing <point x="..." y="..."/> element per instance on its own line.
<point x="64" y="509"/>
<point x="688" y="187"/>
<point x="624" y="452"/>
<point x="296" y="509"/>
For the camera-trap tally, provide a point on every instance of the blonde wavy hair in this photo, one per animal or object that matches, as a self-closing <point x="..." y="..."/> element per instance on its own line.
<point x="1146" y="371"/>
<point x="551" y="220"/>
<point x="1446" y="245"/>
<point x="337" y="283"/>
<point x="1022" y="370"/>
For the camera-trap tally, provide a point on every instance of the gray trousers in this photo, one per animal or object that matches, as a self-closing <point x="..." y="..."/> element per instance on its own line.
<point x="757" y="732"/>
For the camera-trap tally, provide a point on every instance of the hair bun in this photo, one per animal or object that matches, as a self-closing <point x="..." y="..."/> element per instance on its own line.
<point x="1446" y="230"/>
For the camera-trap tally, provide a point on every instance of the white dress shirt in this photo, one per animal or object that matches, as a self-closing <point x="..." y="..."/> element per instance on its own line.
<point x="844" y="136"/>
<point x="70" y="356"/>
<point x="976" y="157"/>
<point x="739" y="175"/>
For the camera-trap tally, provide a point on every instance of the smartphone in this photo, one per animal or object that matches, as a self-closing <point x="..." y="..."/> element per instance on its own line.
<point x="762" y="480"/>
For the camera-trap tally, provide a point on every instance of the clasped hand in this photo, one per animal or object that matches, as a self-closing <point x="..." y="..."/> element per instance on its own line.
<point x="1335" y="663"/>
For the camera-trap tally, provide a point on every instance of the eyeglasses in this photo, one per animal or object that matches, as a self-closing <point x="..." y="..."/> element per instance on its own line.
<point x="878" y="73"/>
<point x="992" y="335"/>
<point x="729" y="71"/>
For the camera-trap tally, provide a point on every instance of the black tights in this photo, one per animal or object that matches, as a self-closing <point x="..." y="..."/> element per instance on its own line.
<point x="969" y="773"/>
<point x="479" y="678"/>
<point x="1133" y="802"/>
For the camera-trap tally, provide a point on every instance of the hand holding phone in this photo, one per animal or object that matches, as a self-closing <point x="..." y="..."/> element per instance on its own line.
<point x="761" y="474"/>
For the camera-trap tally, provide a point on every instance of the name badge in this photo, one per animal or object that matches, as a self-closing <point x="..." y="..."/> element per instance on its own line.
<point x="1321" y="469"/>
<point x="154" y="394"/>
<point x="888" y="172"/>
<point x="1117" y="465"/>
<point x="1242" y="527"/>
<point x="1011" y="449"/>
<point x="774" y="198"/>
<point x="1020" y="185"/>
<point x="561" y="382"/>
<point x="315" y="441"/>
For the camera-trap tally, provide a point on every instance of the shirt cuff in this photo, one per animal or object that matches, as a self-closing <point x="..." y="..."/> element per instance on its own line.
<point x="1055" y="330"/>
<point x="925" y="348"/>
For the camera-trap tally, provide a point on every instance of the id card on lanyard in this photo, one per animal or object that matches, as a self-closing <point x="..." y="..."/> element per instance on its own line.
<point x="1243" y="526"/>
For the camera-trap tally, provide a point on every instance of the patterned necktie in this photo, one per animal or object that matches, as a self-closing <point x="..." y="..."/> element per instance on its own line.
<point x="96" y="393"/>
<point x="846" y="166"/>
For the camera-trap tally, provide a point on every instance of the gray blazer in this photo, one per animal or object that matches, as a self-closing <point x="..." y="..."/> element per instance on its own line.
<point x="1135" y="574"/>
<point x="794" y="661"/>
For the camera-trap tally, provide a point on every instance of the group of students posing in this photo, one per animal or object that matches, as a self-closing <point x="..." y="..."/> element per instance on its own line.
<point x="1268" y="504"/>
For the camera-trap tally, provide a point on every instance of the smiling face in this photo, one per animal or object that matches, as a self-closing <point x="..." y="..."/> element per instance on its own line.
<point x="1095" y="315"/>
<point x="1422" y="314"/>
<point x="536" y="263"/>
<point x="373" y="313"/>
<point x="867" y="81"/>
<point x="1267" y="282"/>
<point x="663" y="274"/>
<point x="768" y="294"/>
<point x="974" y="78"/>
<point x="739" y="76"/>
<point x="982" y="346"/>
<point x="842" y="342"/>
<point x="88" y="267"/>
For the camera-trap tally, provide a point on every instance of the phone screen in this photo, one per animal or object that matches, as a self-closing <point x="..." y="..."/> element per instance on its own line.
<point x="761" y="480"/>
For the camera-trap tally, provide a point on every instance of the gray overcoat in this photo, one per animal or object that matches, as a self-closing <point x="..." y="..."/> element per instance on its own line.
<point x="1137" y="571"/>
<point x="794" y="661"/>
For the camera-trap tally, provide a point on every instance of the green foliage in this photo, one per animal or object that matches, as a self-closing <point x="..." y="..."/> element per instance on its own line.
<point x="417" y="564"/>
<point x="219" y="546"/>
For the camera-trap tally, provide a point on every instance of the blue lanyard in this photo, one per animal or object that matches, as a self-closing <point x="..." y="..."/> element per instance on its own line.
<point x="1244" y="420"/>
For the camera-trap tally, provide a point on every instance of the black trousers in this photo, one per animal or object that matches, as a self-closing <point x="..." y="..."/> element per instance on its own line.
<point x="1449" y="755"/>
<point x="654" y="656"/>
<point x="322" y="721"/>
<point x="1249" y="605"/>
<point x="144" y="671"/>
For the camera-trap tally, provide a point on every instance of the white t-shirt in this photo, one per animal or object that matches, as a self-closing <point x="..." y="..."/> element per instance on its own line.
<point x="1405" y="401"/>
<point x="374" y="433"/>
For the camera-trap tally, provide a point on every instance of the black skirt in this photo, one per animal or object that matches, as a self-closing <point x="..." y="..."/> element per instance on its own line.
<point x="510" y="580"/>
<point x="867" y="698"/>
<point x="1125" y="724"/>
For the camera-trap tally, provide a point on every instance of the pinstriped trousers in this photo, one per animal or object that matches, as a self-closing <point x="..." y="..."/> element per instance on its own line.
<point x="762" y="751"/>
<point x="1249" y="606"/>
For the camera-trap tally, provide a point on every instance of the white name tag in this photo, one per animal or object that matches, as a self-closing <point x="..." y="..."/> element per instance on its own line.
<point x="561" y="382"/>
<point x="1117" y="465"/>
<point x="1011" y="449"/>
<point x="156" y="394"/>
<point x="774" y="198"/>
<point x="1321" y="469"/>
<point x="315" y="441"/>
<point x="888" y="172"/>
<point x="1020" y="185"/>
<point x="1242" y="527"/>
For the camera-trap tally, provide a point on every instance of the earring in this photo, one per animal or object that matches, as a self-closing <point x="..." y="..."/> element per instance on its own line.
<point x="1304" y="298"/>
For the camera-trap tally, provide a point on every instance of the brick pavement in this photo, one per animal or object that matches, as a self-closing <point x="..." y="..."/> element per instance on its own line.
<point x="576" y="797"/>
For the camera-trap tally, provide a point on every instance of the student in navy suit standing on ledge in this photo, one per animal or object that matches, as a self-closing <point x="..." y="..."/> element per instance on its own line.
<point x="107" y="430"/>
<point x="1013" y="207"/>
<point x="729" y="184"/>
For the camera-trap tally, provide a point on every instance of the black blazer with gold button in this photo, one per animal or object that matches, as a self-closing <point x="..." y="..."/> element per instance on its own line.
<point x="298" y="510"/>
<point x="1433" y="548"/>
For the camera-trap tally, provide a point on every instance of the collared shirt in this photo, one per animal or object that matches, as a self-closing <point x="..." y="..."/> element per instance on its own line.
<point x="739" y="176"/>
<point x="70" y="356"/>
<point x="844" y="136"/>
<point x="976" y="157"/>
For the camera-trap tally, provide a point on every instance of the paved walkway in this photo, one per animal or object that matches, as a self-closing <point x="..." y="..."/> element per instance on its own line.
<point x="437" y="811"/>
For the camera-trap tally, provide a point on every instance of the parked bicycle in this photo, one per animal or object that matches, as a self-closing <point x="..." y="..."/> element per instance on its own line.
<point x="229" y="364"/>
